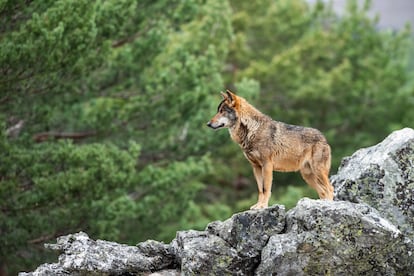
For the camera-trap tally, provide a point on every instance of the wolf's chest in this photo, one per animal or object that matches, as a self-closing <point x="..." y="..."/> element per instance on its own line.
<point x="254" y="157"/>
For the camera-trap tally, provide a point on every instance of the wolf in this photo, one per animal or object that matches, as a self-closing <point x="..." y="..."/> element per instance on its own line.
<point x="271" y="145"/>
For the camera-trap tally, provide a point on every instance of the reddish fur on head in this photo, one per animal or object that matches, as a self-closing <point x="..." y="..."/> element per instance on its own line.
<point x="227" y="111"/>
<point x="231" y="99"/>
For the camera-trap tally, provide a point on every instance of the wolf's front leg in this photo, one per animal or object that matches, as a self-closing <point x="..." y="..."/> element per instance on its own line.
<point x="267" y="173"/>
<point x="263" y="177"/>
<point x="257" y="171"/>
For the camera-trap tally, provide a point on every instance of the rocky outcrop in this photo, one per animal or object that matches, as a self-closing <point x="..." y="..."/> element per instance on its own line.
<point x="367" y="231"/>
<point x="316" y="237"/>
<point x="340" y="238"/>
<point x="383" y="177"/>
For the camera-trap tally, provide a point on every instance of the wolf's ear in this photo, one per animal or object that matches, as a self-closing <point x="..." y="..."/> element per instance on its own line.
<point x="231" y="97"/>
<point x="224" y="95"/>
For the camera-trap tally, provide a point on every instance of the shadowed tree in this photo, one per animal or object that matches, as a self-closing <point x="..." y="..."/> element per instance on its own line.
<point x="126" y="83"/>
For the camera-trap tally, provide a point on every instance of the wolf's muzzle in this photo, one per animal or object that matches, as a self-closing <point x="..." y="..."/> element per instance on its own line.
<point x="209" y="124"/>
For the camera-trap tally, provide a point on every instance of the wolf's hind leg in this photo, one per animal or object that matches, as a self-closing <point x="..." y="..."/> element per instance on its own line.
<point x="325" y="185"/>
<point x="316" y="170"/>
<point x="323" y="181"/>
<point x="310" y="178"/>
<point x="318" y="179"/>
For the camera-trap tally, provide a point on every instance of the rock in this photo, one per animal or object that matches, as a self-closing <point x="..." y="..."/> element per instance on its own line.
<point x="232" y="246"/>
<point x="336" y="238"/>
<point x="83" y="255"/>
<point x="49" y="269"/>
<point x="248" y="232"/>
<point x="166" y="272"/>
<point x="201" y="253"/>
<point x="383" y="177"/>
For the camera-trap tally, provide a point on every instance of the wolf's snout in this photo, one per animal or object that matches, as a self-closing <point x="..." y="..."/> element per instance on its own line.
<point x="214" y="125"/>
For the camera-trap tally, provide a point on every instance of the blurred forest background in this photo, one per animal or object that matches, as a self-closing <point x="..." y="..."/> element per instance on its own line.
<point x="103" y="106"/>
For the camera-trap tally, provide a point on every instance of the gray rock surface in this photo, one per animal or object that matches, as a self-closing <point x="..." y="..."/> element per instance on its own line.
<point x="229" y="247"/>
<point x="248" y="232"/>
<point x="339" y="238"/>
<point x="383" y="177"/>
<point x="166" y="272"/>
<point x="368" y="234"/>
<point x="201" y="253"/>
<point x="84" y="256"/>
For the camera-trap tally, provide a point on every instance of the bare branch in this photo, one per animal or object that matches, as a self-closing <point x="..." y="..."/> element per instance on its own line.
<point x="126" y="40"/>
<point x="44" y="136"/>
<point x="14" y="131"/>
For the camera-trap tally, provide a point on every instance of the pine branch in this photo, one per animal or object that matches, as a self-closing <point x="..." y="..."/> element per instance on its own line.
<point x="126" y="40"/>
<point x="44" y="136"/>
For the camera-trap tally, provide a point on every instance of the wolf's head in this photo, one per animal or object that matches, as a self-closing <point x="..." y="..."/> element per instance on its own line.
<point x="226" y="112"/>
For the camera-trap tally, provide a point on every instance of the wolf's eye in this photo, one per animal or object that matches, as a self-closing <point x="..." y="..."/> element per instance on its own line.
<point x="220" y="106"/>
<point x="228" y="109"/>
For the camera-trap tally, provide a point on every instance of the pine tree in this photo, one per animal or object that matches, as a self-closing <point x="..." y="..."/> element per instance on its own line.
<point x="123" y="84"/>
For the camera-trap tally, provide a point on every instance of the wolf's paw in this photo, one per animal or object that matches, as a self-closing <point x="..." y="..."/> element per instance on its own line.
<point x="258" y="205"/>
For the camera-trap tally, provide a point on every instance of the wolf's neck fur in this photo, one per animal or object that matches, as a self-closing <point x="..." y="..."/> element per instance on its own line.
<point x="247" y="124"/>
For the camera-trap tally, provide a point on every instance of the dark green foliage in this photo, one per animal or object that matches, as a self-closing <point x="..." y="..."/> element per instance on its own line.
<point x="51" y="188"/>
<point x="57" y="188"/>
<point x="113" y="71"/>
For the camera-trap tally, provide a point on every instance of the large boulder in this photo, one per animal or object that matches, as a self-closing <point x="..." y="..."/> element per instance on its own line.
<point x="336" y="238"/>
<point x="383" y="177"/>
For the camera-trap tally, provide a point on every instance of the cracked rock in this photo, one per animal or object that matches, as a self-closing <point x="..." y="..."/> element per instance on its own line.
<point x="382" y="176"/>
<point x="336" y="238"/>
